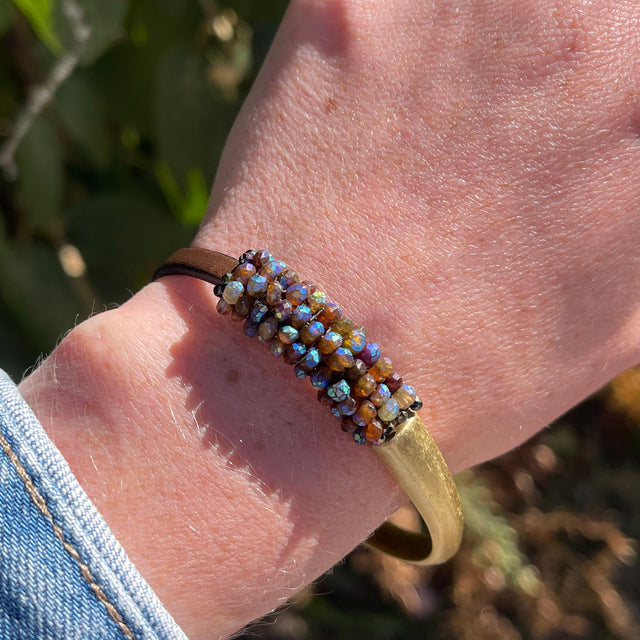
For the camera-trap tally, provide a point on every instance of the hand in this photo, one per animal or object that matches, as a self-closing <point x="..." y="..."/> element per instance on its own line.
<point x="461" y="178"/>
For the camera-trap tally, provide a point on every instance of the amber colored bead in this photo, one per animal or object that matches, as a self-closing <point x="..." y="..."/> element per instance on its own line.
<point x="268" y="328"/>
<point x="300" y="316"/>
<point x="294" y="352"/>
<point x="257" y="285"/>
<point x="329" y="342"/>
<point x="243" y="272"/>
<point x="261" y="257"/>
<point x="317" y="300"/>
<point x="405" y="396"/>
<point x="373" y="431"/>
<point x="366" y="412"/>
<point x="311" y="332"/>
<point x="288" y="278"/>
<point x="243" y="305"/>
<point x="365" y="386"/>
<point x="287" y="334"/>
<point x="356" y="372"/>
<point x="297" y="293"/>
<point x="380" y="395"/>
<point x="344" y="326"/>
<point x="275" y="293"/>
<point x="382" y="369"/>
<point x="272" y="269"/>
<point x="348" y="425"/>
<point x="355" y="341"/>
<point x="340" y="359"/>
<point x="330" y="313"/>
<point x="282" y="311"/>
<point x="394" y="381"/>
<point x="323" y="397"/>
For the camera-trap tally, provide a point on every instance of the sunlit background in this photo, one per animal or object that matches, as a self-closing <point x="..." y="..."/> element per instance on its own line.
<point x="113" y="114"/>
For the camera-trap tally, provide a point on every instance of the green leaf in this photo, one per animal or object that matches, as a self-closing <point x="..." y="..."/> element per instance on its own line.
<point x="189" y="208"/>
<point x="40" y="172"/>
<point x="39" y="13"/>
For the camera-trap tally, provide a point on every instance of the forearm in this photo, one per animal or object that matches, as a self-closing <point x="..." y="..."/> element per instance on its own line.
<point x="455" y="246"/>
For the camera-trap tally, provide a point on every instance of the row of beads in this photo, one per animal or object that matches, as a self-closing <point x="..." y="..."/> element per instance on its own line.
<point x="296" y="321"/>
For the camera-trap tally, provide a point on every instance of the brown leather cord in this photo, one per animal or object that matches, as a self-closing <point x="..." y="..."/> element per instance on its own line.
<point x="207" y="265"/>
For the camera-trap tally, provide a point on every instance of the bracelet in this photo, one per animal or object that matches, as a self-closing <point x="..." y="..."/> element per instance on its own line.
<point x="294" y="318"/>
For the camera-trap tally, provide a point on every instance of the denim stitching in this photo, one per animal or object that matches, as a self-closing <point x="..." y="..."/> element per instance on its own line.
<point x="40" y="502"/>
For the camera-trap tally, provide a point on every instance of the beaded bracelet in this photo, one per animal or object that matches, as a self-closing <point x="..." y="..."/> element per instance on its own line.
<point x="296" y="321"/>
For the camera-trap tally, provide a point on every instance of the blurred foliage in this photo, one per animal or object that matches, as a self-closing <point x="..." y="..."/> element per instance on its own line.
<point x="125" y="107"/>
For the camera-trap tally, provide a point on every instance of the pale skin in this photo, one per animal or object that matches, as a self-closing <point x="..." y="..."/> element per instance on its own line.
<point x="462" y="177"/>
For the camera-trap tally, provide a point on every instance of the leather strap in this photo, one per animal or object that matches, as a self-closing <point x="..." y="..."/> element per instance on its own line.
<point x="207" y="265"/>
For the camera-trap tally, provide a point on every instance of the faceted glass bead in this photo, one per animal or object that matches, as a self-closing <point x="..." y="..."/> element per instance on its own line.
<point x="417" y="405"/>
<point x="223" y="308"/>
<point x="310" y="360"/>
<point x="340" y="359"/>
<point x="268" y="328"/>
<point x="243" y="305"/>
<point x="355" y="341"/>
<point x="370" y="354"/>
<point x="288" y="278"/>
<point x="282" y="311"/>
<point x="382" y="369"/>
<point x="272" y="269"/>
<point x="300" y="316"/>
<point x="329" y="342"/>
<point x="250" y="328"/>
<point x="317" y="300"/>
<point x="275" y="293"/>
<point x="287" y="334"/>
<point x="261" y="258"/>
<point x="300" y="371"/>
<point x="358" y="437"/>
<point x="335" y="411"/>
<point x="394" y="381"/>
<point x="364" y="386"/>
<point x="247" y="256"/>
<point x="348" y="425"/>
<point x="294" y="352"/>
<point x="232" y="292"/>
<point x="297" y="293"/>
<point x="243" y="272"/>
<point x="389" y="410"/>
<point x="380" y="395"/>
<point x="277" y="347"/>
<point x="356" y="372"/>
<point x="365" y="413"/>
<point x="258" y="311"/>
<point x="339" y="391"/>
<point x="344" y="326"/>
<point x="323" y="397"/>
<point x="373" y="431"/>
<point x="330" y="313"/>
<point x="405" y="396"/>
<point x="311" y="286"/>
<point x="311" y="332"/>
<point x="257" y="285"/>
<point x="347" y="407"/>
<point x="321" y="378"/>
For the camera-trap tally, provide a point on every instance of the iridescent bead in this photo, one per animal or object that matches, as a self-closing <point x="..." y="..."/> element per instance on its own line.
<point x="257" y="285"/>
<point x="329" y="342"/>
<point x="323" y="397"/>
<point x="340" y="359"/>
<point x="347" y="407"/>
<point x="223" y="308"/>
<point x="310" y="360"/>
<point x="300" y="316"/>
<point x="330" y="314"/>
<point x="275" y="293"/>
<point x="243" y="305"/>
<point x="348" y="425"/>
<point x="261" y="258"/>
<point x="317" y="300"/>
<point x="364" y="386"/>
<point x="355" y="341"/>
<point x="288" y="278"/>
<point x="335" y="411"/>
<point x="365" y="413"/>
<point x="287" y="334"/>
<point x="389" y="410"/>
<point x="272" y="269"/>
<point x="311" y="286"/>
<point x="373" y="431"/>
<point x="277" y="347"/>
<point x="243" y="272"/>
<point x="258" y="311"/>
<point x="394" y="381"/>
<point x="321" y="378"/>
<point x="380" y="395"/>
<point x="282" y="311"/>
<point x="417" y="405"/>
<point x="268" y="328"/>
<point x="356" y="372"/>
<point x="300" y="372"/>
<point x="311" y="332"/>
<point x="247" y="256"/>
<point x="405" y="396"/>
<point x="218" y="290"/>
<point x="250" y="328"/>
<point x="382" y="369"/>
<point x="297" y="293"/>
<point x="294" y="352"/>
<point x="344" y="326"/>
<point x="370" y="354"/>
<point x="232" y="292"/>
<point x="339" y="391"/>
<point x="358" y="437"/>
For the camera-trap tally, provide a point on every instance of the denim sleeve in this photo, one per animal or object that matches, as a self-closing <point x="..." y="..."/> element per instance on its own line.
<point x="63" y="575"/>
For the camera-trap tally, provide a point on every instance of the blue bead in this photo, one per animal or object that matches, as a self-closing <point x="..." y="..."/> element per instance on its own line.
<point x="339" y="391"/>
<point x="257" y="285"/>
<point x="320" y="379"/>
<point x="300" y="372"/>
<point x="311" y="359"/>
<point x="250" y="328"/>
<point x="258" y="311"/>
